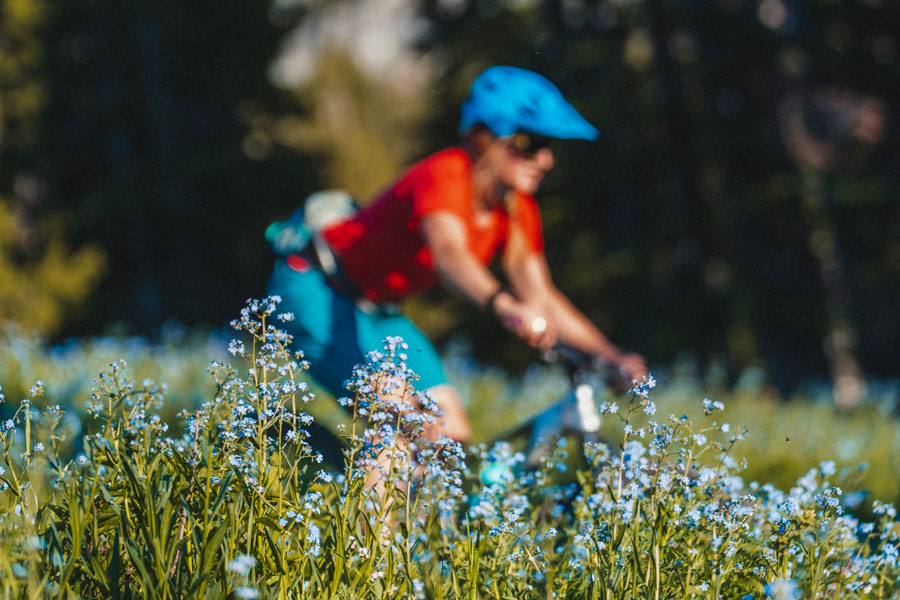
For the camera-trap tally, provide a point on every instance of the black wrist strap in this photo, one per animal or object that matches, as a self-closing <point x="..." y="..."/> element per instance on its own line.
<point x="489" y="305"/>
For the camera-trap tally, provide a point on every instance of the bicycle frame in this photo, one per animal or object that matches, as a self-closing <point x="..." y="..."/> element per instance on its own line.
<point x="573" y="413"/>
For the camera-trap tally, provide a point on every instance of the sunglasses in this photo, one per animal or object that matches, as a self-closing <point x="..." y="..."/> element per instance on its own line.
<point x="526" y="145"/>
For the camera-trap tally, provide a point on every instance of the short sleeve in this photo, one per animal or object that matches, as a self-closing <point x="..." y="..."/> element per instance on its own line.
<point x="529" y="217"/>
<point x="441" y="183"/>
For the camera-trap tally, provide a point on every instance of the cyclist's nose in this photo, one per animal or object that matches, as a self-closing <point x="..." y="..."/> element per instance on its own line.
<point x="545" y="158"/>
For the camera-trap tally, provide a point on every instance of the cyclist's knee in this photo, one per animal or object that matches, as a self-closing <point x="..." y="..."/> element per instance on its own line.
<point x="453" y="422"/>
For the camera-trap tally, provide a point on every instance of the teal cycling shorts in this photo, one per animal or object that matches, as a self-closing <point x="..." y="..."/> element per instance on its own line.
<point x="335" y="334"/>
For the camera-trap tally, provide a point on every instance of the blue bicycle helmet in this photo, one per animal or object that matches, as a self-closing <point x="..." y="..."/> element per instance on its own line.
<point x="507" y="100"/>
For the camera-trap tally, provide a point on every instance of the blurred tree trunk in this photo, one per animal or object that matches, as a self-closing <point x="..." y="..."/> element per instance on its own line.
<point x="825" y="130"/>
<point x="126" y="164"/>
<point x="848" y="382"/>
<point x="151" y="67"/>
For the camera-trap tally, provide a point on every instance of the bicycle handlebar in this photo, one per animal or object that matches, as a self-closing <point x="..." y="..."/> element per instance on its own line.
<point x="576" y="361"/>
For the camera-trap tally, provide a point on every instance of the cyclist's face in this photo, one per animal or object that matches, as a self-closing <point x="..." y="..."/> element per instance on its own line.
<point x="524" y="160"/>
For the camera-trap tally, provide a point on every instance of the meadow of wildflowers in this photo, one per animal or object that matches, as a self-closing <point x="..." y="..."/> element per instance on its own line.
<point x="233" y="502"/>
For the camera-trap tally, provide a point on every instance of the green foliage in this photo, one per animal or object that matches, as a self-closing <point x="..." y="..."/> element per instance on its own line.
<point x="39" y="290"/>
<point x="23" y="92"/>
<point x="786" y="436"/>
<point x="148" y="143"/>
<point x="176" y="357"/>
<point x="42" y="280"/>
<point x="364" y="128"/>
<point x="232" y="509"/>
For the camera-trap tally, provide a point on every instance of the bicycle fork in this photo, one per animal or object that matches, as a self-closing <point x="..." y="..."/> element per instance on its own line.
<point x="574" y="412"/>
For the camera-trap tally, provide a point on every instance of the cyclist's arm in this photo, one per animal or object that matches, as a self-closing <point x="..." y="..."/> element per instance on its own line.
<point x="458" y="269"/>
<point x="445" y="235"/>
<point x="531" y="280"/>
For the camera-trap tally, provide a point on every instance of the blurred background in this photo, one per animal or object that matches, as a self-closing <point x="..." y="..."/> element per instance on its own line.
<point x="739" y="213"/>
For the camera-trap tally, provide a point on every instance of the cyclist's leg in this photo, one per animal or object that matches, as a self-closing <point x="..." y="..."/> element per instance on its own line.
<point x="323" y="326"/>
<point x="424" y="360"/>
<point x="335" y="334"/>
<point x="454" y="423"/>
<point x="319" y="316"/>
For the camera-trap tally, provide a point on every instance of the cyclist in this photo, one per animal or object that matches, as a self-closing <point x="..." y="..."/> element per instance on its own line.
<point x="442" y="222"/>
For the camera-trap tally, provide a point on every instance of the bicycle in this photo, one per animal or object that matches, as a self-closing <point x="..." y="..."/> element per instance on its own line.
<point x="574" y="413"/>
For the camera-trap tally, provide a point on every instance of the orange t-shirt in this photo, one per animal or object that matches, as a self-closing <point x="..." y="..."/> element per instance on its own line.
<point x="381" y="250"/>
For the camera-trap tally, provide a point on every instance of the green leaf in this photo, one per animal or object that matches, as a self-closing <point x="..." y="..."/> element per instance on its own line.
<point x="115" y="565"/>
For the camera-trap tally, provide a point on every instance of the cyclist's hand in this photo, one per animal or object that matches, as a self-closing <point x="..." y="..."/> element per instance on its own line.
<point x="529" y="324"/>
<point x="632" y="366"/>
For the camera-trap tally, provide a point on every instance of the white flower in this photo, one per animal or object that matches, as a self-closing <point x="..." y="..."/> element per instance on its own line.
<point x="783" y="589"/>
<point x="242" y="565"/>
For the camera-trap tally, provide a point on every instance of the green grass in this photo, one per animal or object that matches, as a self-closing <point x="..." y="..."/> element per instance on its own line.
<point x="231" y="501"/>
<point x="786" y="438"/>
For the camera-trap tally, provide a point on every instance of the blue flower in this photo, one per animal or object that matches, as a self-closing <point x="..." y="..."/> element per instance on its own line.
<point x="313" y="535"/>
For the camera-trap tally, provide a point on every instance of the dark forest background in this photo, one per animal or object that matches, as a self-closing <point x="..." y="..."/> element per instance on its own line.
<point x="740" y="208"/>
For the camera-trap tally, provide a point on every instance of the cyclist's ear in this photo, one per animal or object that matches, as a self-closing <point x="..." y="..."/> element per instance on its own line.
<point x="478" y="139"/>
